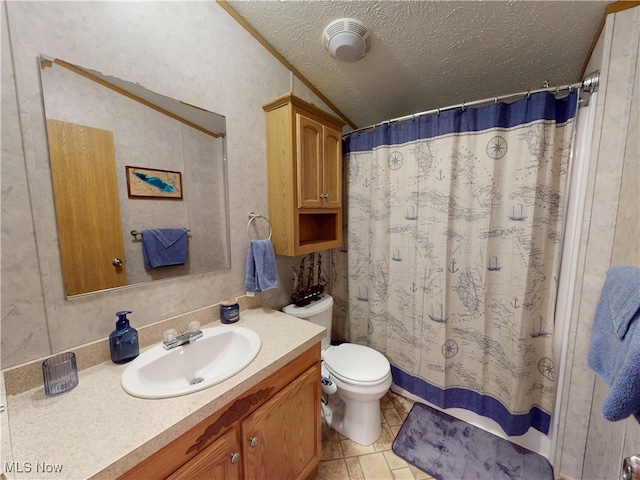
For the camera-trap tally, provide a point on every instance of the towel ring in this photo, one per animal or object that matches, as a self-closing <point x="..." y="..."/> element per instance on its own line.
<point x="252" y="217"/>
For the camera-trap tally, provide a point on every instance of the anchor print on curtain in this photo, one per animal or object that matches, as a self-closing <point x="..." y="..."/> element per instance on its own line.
<point x="454" y="238"/>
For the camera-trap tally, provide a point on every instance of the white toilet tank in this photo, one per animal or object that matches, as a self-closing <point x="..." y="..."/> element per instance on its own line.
<point x="319" y="312"/>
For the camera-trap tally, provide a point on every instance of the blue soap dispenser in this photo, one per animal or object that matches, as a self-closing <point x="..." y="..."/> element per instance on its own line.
<point x="123" y="341"/>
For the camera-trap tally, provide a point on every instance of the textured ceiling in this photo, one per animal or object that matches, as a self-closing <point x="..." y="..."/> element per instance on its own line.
<point x="431" y="54"/>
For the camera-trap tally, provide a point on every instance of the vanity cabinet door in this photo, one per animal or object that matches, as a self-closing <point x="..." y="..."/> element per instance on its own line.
<point x="219" y="461"/>
<point x="282" y="438"/>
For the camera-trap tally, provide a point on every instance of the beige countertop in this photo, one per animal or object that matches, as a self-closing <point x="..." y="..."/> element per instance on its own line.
<point x="98" y="431"/>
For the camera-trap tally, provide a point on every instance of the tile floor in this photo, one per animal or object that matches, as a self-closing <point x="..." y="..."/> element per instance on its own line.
<point x="344" y="459"/>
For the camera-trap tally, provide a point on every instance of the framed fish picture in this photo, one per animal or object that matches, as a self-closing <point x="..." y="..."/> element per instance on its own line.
<point x="152" y="183"/>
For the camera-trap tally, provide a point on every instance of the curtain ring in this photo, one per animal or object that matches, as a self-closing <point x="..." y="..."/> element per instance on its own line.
<point x="438" y="111"/>
<point x="463" y="107"/>
<point x="495" y="100"/>
<point x="528" y="94"/>
<point x="556" y="90"/>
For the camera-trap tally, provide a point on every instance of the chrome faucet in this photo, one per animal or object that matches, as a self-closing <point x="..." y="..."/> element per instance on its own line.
<point x="173" y="340"/>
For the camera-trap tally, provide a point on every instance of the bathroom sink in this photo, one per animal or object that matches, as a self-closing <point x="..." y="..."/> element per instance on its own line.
<point x="218" y="355"/>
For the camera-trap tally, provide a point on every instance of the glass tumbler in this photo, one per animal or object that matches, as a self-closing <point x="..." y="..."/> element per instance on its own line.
<point x="60" y="373"/>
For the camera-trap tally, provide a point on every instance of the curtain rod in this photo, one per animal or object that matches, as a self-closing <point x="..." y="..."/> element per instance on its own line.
<point x="589" y="85"/>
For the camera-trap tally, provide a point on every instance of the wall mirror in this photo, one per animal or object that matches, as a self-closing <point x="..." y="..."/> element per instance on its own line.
<point x="124" y="159"/>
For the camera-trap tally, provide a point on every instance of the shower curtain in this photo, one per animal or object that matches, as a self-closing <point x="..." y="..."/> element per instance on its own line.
<point x="454" y="233"/>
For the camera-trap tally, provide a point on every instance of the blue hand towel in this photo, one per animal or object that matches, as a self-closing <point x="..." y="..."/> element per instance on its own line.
<point x="261" y="271"/>
<point x="614" y="351"/>
<point x="163" y="247"/>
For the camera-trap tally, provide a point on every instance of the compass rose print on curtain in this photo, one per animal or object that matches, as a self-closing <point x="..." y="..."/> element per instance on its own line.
<point x="454" y="235"/>
<point x="497" y="147"/>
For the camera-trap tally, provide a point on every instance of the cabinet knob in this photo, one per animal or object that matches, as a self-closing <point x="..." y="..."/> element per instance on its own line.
<point x="324" y="195"/>
<point x="253" y="441"/>
<point x="116" y="262"/>
<point x="235" y="457"/>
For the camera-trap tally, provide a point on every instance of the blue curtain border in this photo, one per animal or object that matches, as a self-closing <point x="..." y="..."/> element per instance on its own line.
<point x="513" y="425"/>
<point x="538" y="106"/>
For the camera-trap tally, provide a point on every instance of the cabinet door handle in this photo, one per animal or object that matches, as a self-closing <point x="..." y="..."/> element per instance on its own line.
<point x="253" y="441"/>
<point x="235" y="457"/>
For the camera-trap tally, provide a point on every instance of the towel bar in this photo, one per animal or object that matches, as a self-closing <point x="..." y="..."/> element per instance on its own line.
<point x="252" y="217"/>
<point x="135" y="233"/>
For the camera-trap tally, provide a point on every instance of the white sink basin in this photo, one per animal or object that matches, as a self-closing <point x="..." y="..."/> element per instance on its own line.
<point x="218" y="355"/>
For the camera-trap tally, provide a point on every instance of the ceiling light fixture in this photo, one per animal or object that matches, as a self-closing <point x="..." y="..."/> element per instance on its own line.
<point x="346" y="39"/>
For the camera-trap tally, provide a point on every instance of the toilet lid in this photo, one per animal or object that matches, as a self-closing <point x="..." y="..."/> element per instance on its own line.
<point x="357" y="362"/>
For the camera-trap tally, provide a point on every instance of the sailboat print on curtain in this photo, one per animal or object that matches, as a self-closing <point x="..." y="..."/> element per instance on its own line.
<point x="474" y="197"/>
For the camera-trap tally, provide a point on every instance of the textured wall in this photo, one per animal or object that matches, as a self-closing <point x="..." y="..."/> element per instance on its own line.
<point x="588" y="446"/>
<point x="192" y="51"/>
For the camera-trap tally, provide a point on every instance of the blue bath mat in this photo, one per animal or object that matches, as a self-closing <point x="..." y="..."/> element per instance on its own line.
<point x="449" y="449"/>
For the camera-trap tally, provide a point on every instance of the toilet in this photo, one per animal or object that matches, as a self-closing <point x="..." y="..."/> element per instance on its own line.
<point x="355" y="378"/>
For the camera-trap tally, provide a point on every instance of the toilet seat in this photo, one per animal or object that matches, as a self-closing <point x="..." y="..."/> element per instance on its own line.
<point x="357" y="364"/>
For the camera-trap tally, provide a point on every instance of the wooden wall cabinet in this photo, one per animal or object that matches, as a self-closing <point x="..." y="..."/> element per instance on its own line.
<point x="271" y="431"/>
<point x="304" y="158"/>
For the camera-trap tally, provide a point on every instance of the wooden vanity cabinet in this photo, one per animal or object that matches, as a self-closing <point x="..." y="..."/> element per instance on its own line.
<point x="271" y="431"/>
<point x="304" y="158"/>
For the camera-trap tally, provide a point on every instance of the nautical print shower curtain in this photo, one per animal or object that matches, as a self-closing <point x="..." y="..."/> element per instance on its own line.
<point x="454" y="235"/>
